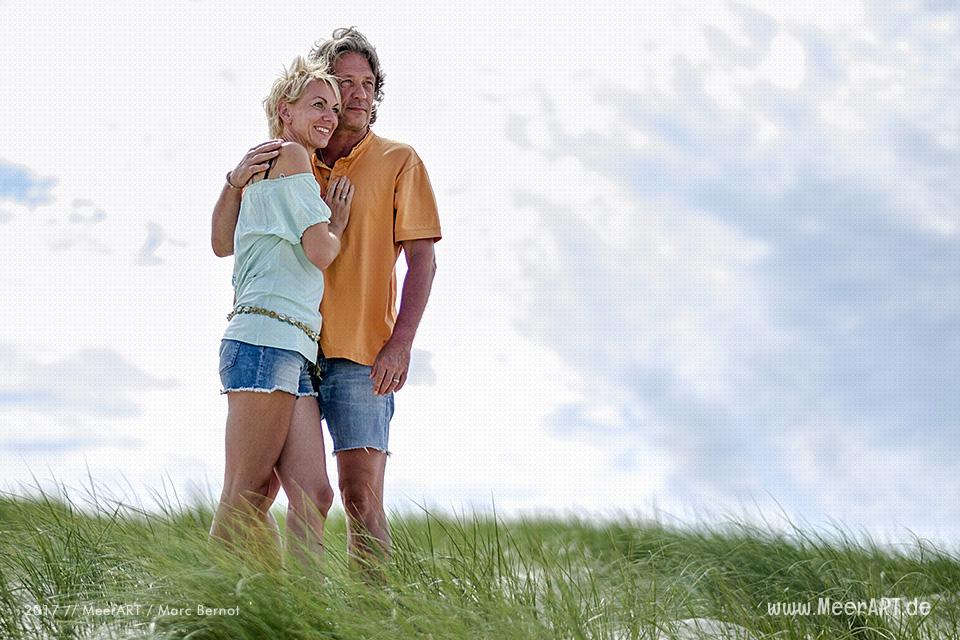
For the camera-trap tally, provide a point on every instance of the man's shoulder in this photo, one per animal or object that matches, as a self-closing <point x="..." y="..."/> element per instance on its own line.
<point x="395" y="150"/>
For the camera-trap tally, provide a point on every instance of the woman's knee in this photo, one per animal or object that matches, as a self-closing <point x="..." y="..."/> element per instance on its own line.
<point x="319" y="498"/>
<point x="254" y="490"/>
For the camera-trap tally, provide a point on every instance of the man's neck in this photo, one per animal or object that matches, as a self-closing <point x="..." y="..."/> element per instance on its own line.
<point x="340" y="145"/>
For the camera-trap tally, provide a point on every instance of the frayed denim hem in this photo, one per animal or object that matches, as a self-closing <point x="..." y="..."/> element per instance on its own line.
<point x="364" y="448"/>
<point x="293" y="393"/>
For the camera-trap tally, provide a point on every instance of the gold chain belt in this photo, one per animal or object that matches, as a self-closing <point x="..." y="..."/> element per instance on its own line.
<point x="282" y="317"/>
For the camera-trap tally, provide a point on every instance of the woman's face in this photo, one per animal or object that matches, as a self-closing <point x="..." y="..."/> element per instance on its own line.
<point x="312" y="118"/>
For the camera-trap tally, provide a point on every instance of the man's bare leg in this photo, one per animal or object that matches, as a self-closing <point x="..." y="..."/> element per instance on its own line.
<point x="361" y="473"/>
<point x="303" y="471"/>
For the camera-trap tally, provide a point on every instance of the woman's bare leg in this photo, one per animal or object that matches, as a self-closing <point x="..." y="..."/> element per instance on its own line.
<point x="257" y="426"/>
<point x="272" y="490"/>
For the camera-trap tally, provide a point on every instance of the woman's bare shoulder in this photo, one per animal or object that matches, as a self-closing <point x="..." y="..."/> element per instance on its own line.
<point x="293" y="158"/>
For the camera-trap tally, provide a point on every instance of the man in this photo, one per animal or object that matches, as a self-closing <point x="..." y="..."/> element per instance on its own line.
<point x="365" y="343"/>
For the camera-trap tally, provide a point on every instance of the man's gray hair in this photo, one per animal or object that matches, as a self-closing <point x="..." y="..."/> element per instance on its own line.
<point x="351" y="41"/>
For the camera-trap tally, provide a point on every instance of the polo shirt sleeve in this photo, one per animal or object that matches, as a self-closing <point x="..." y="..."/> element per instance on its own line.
<point x="298" y="207"/>
<point x="415" y="206"/>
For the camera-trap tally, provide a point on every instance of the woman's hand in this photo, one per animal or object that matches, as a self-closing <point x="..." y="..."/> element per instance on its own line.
<point x="339" y="198"/>
<point x="255" y="161"/>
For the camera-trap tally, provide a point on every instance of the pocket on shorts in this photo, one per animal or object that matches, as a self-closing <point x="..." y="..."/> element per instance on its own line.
<point x="228" y="354"/>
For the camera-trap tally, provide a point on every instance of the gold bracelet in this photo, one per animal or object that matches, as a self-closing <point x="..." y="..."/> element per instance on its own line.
<point x="230" y="184"/>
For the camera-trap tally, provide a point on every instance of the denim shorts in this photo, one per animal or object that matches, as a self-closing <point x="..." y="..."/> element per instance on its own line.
<point x="248" y="367"/>
<point x="356" y="417"/>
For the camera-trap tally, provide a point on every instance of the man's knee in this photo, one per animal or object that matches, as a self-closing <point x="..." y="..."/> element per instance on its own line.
<point x="361" y="502"/>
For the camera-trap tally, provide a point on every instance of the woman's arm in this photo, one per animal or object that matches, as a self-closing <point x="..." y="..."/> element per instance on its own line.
<point x="321" y="242"/>
<point x="227" y="209"/>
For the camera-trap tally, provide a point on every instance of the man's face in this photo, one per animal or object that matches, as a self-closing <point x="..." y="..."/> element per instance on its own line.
<point x="356" y="91"/>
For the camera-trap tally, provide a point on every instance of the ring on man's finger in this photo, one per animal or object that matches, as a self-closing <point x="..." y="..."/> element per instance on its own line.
<point x="396" y="379"/>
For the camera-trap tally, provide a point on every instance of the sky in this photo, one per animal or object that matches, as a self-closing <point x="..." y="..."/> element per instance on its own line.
<point x="700" y="260"/>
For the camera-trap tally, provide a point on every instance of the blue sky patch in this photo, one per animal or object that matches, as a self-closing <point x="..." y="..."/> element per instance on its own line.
<point x="21" y="185"/>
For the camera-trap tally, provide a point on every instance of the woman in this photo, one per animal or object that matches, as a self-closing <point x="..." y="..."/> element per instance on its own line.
<point x="285" y="236"/>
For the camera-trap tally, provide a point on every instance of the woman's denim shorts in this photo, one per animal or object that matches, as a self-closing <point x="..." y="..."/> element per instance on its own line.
<point x="248" y="367"/>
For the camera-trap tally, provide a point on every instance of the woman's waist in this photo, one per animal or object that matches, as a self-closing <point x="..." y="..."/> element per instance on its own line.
<point x="254" y="319"/>
<point x="306" y="310"/>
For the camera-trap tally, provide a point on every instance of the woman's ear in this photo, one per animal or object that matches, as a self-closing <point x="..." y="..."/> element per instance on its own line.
<point x="283" y="110"/>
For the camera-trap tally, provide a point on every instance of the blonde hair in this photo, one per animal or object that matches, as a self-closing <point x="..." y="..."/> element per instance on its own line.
<point x="290" y="86"/>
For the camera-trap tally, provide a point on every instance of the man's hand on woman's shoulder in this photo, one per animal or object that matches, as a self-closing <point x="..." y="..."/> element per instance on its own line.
<point x="255" y="161"/>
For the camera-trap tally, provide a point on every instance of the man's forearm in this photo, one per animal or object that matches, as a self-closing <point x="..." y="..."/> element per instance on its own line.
<point x="224" y="223"/>
<point x="421" y="269"/>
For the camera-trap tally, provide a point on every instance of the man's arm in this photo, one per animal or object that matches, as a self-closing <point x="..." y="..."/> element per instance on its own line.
<point x="225" y="214"/>
<point x="393" y="361"/>
<point x="227" y="209"/>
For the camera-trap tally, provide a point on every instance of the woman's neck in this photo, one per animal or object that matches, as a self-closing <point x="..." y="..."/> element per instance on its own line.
<point x="289" y="136"/>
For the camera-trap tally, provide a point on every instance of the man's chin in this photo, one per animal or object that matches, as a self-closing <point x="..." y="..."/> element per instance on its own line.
<point x="354" y="125"/>
<point x="355" y="116"/>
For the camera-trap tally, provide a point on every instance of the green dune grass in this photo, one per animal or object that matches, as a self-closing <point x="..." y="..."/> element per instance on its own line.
<point x="90" y="569"/>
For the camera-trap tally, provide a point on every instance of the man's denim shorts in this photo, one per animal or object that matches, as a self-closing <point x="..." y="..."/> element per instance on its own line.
<point x="356" y="417"/>
<point x="248" y="367"/>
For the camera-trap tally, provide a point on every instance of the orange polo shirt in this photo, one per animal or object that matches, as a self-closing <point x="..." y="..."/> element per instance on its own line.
<point x="392" y="202"/>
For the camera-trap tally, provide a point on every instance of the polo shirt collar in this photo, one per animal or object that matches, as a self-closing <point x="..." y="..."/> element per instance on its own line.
<point x="355" y="153"/>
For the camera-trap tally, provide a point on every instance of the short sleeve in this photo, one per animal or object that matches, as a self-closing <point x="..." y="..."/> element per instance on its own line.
<point x="415" y="205"/>
<point x="297" y="205"/>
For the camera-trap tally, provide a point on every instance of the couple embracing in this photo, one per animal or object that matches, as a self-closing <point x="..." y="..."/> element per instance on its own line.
<point x="316" y="219"/>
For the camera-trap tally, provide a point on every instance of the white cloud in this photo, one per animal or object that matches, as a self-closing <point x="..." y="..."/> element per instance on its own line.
<point x="669" y="307"/>
<point x="876" y="475"/>
<point x="89" y="381"/>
